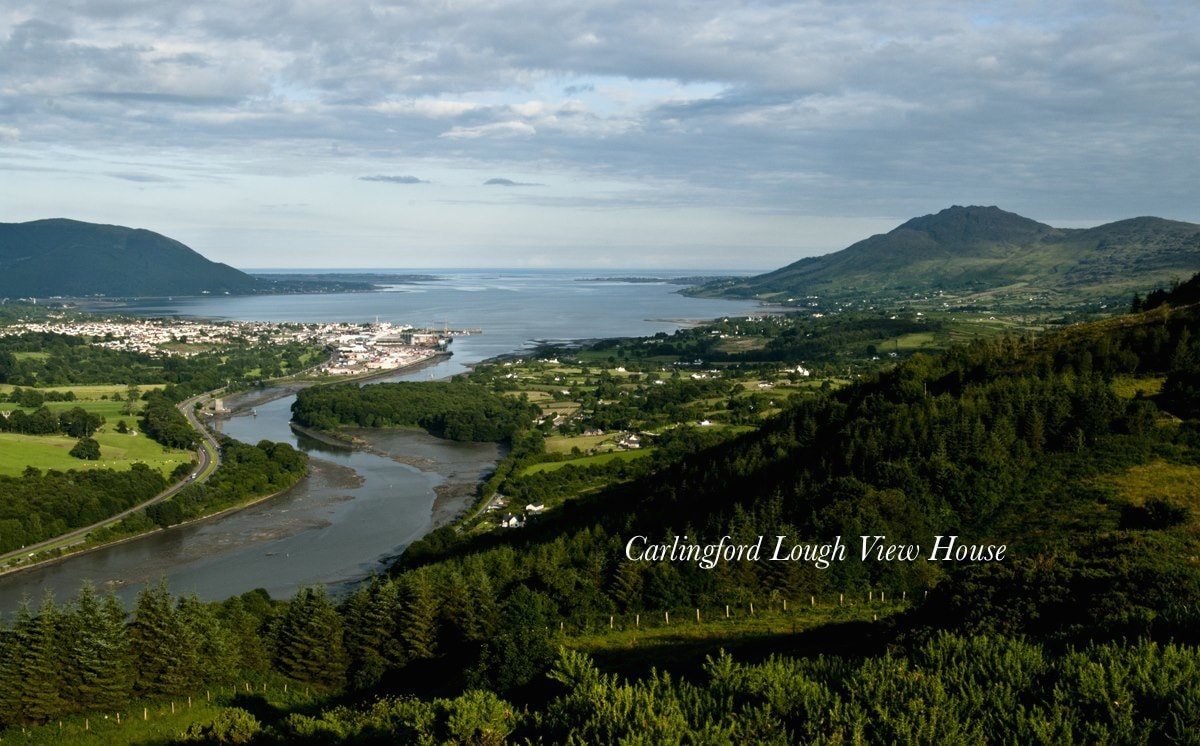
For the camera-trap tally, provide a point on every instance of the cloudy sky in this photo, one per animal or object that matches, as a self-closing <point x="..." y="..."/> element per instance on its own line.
<point x="615" y="133"/>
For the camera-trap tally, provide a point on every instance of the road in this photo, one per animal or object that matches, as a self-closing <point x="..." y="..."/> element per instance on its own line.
<point x="188" y="409"/>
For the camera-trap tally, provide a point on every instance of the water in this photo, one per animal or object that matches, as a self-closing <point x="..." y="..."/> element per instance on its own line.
<point x="359" y="509"/>
<point x="515" y="309"/>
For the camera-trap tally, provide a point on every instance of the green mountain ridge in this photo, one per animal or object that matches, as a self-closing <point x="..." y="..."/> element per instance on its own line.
<point x="72" y="258"/>
<point x="986" y="249"/>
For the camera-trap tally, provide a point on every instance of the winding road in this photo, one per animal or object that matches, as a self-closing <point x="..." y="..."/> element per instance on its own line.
<point x="206" y="465"/>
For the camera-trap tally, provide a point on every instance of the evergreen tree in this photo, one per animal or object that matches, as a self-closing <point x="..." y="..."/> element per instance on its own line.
<point x="14" y="647"/>
<point x="309" y="640"/>
<point x="42" y="665"/>
<point x="246" y="644"/>
<point x="164" y="648"/>
<point x="418" y="628"/>
<point x="100" y="672"/>
<point x="215" y="658"/>
<point x="370" y="636"/>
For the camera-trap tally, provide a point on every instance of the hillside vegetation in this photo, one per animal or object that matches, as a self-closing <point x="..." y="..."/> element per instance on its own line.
<point x="1083" y="630"/>
<point x="972" y="250"/>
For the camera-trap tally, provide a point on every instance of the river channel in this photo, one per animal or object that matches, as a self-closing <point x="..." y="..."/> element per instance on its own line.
<point x="357" y="509"/>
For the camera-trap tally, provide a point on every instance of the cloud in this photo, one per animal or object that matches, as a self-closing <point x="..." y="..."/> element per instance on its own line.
<point x="140" y="178"/>
<point x="431" y="108"/>
<point x="495" y="129"/>
<point x="509" y="183"/>
<point x="394" y="179"/>
<point x="1067" y="110"/>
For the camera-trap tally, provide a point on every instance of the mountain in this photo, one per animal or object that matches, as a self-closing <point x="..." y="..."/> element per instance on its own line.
<point x="71" y="258"/>
<point x="965" y="250"/>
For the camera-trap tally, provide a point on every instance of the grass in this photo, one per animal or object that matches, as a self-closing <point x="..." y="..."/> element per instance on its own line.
<point x="1178" y="483"/>
<point x="90" y="392"/>
<point x="1128" y="387"/>
<point x="599" y="458"/>
<point x="683" y="645"/>
<point x="564" y="444"/>
<point x="163" y="721"/>
<point x="117" y="451"/>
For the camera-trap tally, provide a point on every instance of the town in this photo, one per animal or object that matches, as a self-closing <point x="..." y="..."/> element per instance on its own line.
<point x="358" y="348"/>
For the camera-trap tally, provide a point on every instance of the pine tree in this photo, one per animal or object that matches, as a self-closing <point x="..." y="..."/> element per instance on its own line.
<point x="246" y="644"/>
<point x="309" y="640"/>
<point x="370" y="636"/>
<point x="418" y="628"/>
<point x="100" y="673"/>
<point x="42" y="665"/>
<point x="164" y="649"/>
<point x="14" y="646"/>
<point x="215" y="655"/>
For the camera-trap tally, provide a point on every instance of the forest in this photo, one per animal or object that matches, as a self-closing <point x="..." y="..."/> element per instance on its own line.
<point x="457" y="410"/>
<point x="1069" y="448"/>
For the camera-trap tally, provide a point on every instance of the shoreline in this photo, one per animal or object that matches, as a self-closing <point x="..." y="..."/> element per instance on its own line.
<point x="245" y="400"/>
<point x="151" y="532"/>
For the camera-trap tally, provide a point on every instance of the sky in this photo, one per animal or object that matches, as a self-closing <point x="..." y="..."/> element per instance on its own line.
<point x="643" y="134"/>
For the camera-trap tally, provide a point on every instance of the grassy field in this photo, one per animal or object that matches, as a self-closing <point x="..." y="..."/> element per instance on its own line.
<point x="1128" y="387"/>
<point x="117" y="451"/>
<point x="563" y="444"/>
<point x="1179" y="483"/>
<point x="683" y="644"/>
<point x="599" y="458"/>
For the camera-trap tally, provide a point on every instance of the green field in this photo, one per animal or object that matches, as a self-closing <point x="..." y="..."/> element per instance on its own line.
<point x="563" y="444"/>
<point x="599" y="458"/>
<point x="117" y="451"/>
<point x="1179" y="483"/>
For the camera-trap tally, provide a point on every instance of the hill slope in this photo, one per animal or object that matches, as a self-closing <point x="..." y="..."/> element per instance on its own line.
<point x="72" y="258"/>
<point x="978" y="249"/>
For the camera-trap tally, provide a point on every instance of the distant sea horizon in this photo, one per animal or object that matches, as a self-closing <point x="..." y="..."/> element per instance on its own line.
<point x="589" y="271"/>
